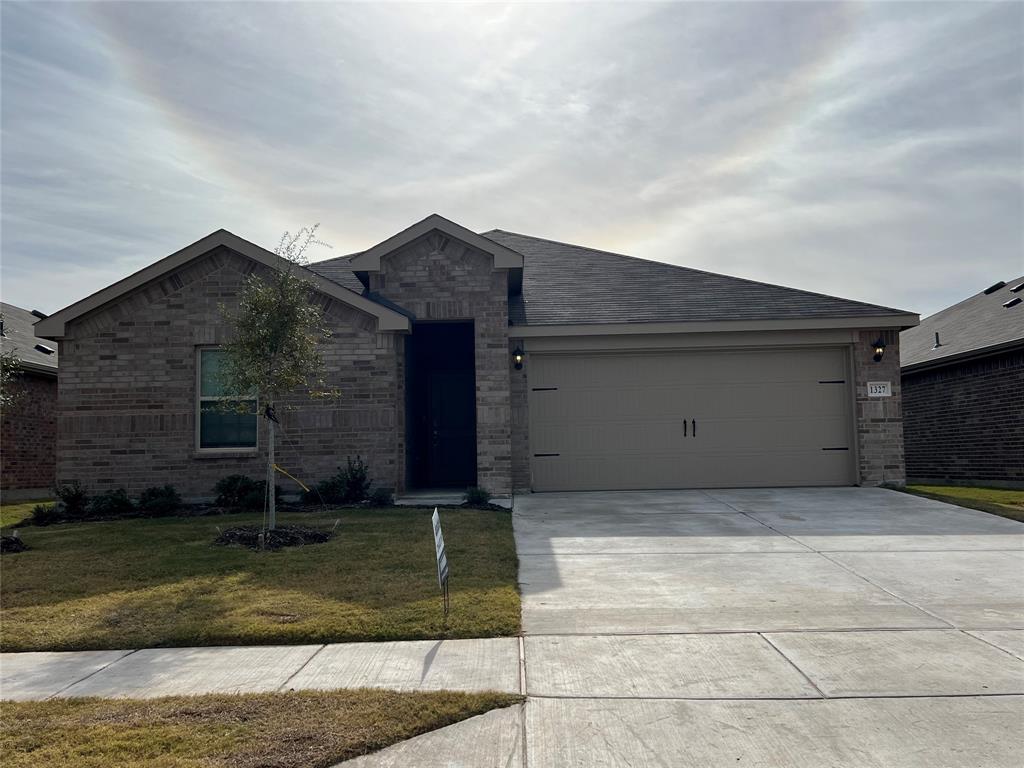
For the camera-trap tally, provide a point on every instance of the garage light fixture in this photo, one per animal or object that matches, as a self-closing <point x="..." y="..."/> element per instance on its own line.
<point x="879" y="346"/>
<point x="517" y="358"/>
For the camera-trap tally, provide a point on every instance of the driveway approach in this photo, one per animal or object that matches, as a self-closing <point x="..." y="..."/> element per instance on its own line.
<point x="799" y="627"/>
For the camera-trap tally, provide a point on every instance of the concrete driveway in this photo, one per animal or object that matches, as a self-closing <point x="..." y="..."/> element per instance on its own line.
<point x="798" y="627"/>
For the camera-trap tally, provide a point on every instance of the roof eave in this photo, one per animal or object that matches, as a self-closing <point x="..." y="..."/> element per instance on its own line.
<point x="963" y="357"/>
<point x="878" y="322"/>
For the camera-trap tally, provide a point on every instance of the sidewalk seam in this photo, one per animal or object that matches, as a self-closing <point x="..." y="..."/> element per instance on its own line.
<point x="794" y="666"/>
<point x="301" y="667"/>
<point x="94" y="672"/>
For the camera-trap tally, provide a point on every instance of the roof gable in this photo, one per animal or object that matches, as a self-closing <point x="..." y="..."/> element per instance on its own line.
<point x="369" y="260"/>
<point x="976" y="325"/>
<point x="53" y="327"/>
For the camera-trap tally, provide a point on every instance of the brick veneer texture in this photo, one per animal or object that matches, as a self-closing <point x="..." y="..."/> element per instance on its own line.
<point x="964" y="423"/>
<point x="437" y="278"/>
<point x="28" y="434"/>
<point x="127" y="410"/>
<point x="879" y="421"/>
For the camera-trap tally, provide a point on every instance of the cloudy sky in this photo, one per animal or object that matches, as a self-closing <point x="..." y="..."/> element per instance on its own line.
<point x="870" y="151"/>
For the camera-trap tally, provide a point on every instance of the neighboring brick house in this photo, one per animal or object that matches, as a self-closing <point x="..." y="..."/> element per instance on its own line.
<point x="496" y="359"/>
<point x="963" y="391"/>
<point x="28" y="428"/>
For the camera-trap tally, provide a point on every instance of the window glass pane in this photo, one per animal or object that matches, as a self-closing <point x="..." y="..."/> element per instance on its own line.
<point x="221" y="425"/>
<point x="209" y="368"/>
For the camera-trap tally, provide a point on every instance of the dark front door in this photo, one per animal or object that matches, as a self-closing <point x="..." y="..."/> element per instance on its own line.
<point x="451" y="458"/>
<point x="442" y="405"/>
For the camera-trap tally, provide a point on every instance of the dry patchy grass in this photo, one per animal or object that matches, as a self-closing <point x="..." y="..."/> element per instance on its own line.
<point x="161" y="582"/>
<point x="997" y="501"/>
<point x="275" y="730"/>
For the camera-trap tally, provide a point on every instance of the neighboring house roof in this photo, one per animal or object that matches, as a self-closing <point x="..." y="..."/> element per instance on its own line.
<point x="988" y="322"/>
<point x="19" y="335"/>
<point x="53" y="326"/>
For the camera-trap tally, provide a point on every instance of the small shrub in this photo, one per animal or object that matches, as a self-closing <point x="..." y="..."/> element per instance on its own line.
<point x="356" y="480"/>
<point x="113" y="503"/>
<point x="477" y="496"/>
<point x="350" y="485"/>
<point x="46" y="514"/>
<point x="11" y="544"/>
<point x="74" y="498"/>
<point x="160" y="500"/>
<point x="239" y="493"/>
<point x="381" y="497"/>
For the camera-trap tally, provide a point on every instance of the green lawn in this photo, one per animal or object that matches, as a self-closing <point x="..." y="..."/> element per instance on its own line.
<point x="161" y="582"/>
<point x="283" y="730"/>
<point x="12" y="514"/>
<point x="998" y="501"/>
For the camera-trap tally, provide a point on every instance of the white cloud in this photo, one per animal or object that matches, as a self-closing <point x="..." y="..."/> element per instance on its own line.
<point x="873" y="151"/>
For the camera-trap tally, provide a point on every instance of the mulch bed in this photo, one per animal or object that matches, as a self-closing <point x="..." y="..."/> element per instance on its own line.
<point x="11" y="544"/>
<point x="282" y="536"/>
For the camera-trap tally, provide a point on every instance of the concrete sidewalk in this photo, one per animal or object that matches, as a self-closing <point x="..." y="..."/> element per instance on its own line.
<point x="420" y="665"/>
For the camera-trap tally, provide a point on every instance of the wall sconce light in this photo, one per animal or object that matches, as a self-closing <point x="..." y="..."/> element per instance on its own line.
<point x="517" y="358"/>
<point x="879" y="346"/>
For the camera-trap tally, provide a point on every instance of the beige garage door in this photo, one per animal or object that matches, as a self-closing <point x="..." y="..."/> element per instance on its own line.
<point x="690" y="419"/>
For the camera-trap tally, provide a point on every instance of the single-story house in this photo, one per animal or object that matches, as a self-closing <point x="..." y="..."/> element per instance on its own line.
<point x="963" y="391"/>
<point x="497" y="360"/>
<point x="28" y="426"/>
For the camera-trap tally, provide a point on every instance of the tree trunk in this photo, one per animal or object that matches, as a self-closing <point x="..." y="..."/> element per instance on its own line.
<point x="272" y="496"/>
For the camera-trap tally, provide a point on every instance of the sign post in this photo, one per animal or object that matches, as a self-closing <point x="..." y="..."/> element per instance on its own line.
<point x="442" y="560"/>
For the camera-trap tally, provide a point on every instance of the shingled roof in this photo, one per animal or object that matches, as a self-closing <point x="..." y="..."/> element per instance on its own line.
<point x="989" y="321"/>
<point x="566" y="284"/>
<point x="19" y="335"/>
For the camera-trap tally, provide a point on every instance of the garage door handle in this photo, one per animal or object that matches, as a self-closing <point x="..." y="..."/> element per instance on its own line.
<point x="684" y="429"/>
<point x="694" y="427"/>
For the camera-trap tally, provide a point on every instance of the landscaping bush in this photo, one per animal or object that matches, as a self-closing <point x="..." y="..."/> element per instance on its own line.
<point x="113" y="503"/>
<point x="242" y="493"/>
<point x="11" y="544"/>
<point x="477" y="496"/>
<point x="350" y="485"/>
<point x="381" y="497"/>
<point x="74" y="498"/>
<point x="160" y="500"/>
<point x="46" y="514"/>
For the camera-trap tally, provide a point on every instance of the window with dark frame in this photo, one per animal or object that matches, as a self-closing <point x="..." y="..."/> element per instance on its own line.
<point x="225" y="420"/>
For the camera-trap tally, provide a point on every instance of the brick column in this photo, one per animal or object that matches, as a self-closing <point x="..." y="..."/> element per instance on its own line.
<point x="879" y="420"/>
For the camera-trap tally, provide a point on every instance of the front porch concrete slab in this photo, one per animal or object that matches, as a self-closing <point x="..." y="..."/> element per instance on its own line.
<point x="918" y="663"/>
<point x="661" y="666"/>
<point x="970" y="590"/>
<point x="838" y="733"/>
<point x="187" y="671"/>
<point x="492" y="739"/>
<point x="1009" y="640"/>
<point x="745" y="592"/>
<point x="419" y="665"/>
<point x="34" y="676"/>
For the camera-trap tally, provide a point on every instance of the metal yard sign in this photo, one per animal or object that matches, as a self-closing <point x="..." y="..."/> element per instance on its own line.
<point x="442" y="560"/>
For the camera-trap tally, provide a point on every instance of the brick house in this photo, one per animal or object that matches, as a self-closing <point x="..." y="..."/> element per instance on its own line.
<point x="499" y="360"/>
<point x="963" y="391"/>
<point x="28" y="428"/>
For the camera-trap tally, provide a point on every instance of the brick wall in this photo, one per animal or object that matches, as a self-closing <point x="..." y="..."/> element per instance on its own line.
<point x="521" y="480"/>
<point x="437" y="278"/>
<point x="964" y="423"/>
<point x="879" y="420"/>
<point x="127" y="409"/>
<point x="28" y="434"/>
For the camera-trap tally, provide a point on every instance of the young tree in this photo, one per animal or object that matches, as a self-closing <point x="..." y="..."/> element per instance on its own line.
<point x="273" y="349"/>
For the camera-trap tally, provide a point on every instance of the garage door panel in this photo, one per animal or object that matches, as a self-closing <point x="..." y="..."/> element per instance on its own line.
<point x="764" y="417"/>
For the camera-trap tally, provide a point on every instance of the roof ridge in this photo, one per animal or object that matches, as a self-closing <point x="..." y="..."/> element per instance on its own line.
<point x="698" y="271"/>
